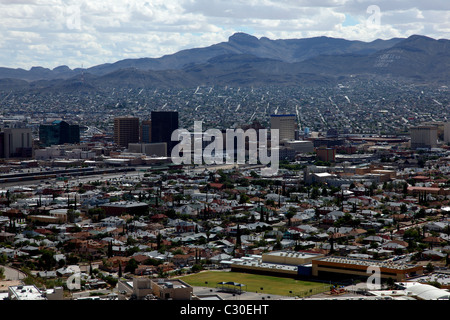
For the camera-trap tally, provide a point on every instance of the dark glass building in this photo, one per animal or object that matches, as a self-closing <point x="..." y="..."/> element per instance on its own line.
<point x="163" y="124"/>
<point x="146" y="131"/>
<point x="58" y="132"/>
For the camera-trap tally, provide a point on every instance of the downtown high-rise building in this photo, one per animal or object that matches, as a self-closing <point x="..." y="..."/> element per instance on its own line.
<point x="16" y="143"/>
<point x="58" y="132"/>
<point x="423" y="137"/>
<point x="163" y="124"/>
<point x="447" y="132"/>
<point x="146" y="131"/>
<point x="126" y="130"/>
<point x="286" y="124"/>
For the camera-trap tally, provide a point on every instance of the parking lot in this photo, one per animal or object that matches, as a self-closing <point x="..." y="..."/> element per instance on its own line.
<point x="245" y="295"/>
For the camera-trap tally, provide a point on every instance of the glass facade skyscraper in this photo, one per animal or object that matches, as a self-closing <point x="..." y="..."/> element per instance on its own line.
<point x="58" y="132"/>
<point x="163" y="124"/>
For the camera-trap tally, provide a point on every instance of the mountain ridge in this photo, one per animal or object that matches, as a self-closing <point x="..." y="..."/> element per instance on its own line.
<point x="289" y="50"/>
<point x="246" y="60"/>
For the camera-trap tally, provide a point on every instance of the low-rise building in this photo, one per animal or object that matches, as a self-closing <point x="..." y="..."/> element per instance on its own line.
<point x="162" y="289"/>
<point x="278" y="263"/>
<point x="171" y="289"/>
<point x="334" y="267"/>
<point x="124" y="207"/>
<point x="25" y="292"/>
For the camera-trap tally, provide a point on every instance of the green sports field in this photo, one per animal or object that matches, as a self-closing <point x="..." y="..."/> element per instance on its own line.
<point x="254" y="283"/>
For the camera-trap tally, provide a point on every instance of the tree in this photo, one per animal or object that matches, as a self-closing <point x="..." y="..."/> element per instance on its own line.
<point x="314" y="193"/>
<point x="131" y="266"/>
<point x="47" y="261"/>
<point x="238" y="236"/>
<point x="403" y="208"/>
<point x="71" y="215"/>
<point x="331" y="240"/>
<point x="277" y="245"/>
<point x="110" y="251"/>
<point x="197" y="268"/>
<point x="291" y="212"/>
<point x="244" y="199"/>
<point x="390" y="282"/>
<point x="158" y="241"/>
<point x="405" y="189"/>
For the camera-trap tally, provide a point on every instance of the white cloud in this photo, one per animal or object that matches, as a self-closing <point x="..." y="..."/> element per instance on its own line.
<point x="74" y="33"/>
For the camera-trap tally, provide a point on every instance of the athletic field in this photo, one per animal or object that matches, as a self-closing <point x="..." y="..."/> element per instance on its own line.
<point x="255" y="283"/>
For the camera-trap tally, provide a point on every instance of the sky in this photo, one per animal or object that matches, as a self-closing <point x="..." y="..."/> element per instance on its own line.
<point x="81" y="33"/>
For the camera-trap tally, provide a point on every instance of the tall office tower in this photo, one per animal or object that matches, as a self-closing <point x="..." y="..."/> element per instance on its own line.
<point x="447" y="132"/>
<point x="126" y="130"/>
<point x="163" y="124"/>
<point x="17" y="143"/>
<point x="286" y="124"/>
<point x="423" y="137"/>
<point x="146" y="131"/>
<point x="58" y="132"/>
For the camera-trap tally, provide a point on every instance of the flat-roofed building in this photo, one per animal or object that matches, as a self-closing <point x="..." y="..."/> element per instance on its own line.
<point x="423" y="137"/>
<point x="156" y="289"/>
<point x="140" y="287"/>
<point x="334" y="267"/>
<point x="16" y="143"/>
<point x="292" y="258"/>
<point x="164" y="123"/>
<point x="124" y="207"/>
<point x="58" y="132"/>
<point x="277" y="263"/>
<point x="146" y="131"/>
<point x="326" y="154"/>
<point x="171" y="289"/>
<point x="447" y="132"/>
<point x="126" y="130"/>
<point x="149" y="149"/>
<point x="25" y="292"/>
<point x="300" y="146"/>
<point x="286" y="124"/>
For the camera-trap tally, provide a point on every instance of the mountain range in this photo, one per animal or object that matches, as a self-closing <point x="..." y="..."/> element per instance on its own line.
<point x="247" y="60"/>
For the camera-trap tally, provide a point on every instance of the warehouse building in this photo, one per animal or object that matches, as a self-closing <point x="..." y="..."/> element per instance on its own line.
<point x="312" y="265"/>
<point x="278" y="263"/>
<point x="333" y="267"/>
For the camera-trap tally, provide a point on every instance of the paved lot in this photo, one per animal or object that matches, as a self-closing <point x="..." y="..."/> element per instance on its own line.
<point x="13" y="274"/>
<point x="242" y="296"/>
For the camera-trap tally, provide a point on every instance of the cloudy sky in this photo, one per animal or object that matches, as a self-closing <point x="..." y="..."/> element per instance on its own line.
<point x="81" y="33"/>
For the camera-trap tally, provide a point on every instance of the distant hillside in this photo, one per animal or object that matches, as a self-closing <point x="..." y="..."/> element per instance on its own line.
<point x="293" y="50"/>
<point x="415" y="58"/>
<point x="247" y="60"/>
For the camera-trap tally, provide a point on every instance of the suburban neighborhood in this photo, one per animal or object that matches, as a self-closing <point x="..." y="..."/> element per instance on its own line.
<point x="135" y="230"/>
